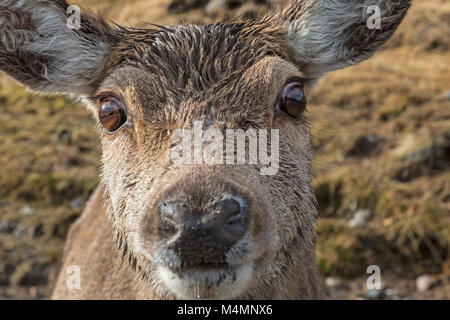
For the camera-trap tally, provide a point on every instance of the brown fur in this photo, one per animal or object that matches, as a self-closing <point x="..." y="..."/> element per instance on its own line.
<point x="228" y="76"/>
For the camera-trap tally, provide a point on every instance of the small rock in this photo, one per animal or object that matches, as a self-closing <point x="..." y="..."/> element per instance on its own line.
<point x="76" y="203"/>
<point x="447" y="95"/>
<point x="335" y="294"/>
<point x="424" y="282"/>
<point x="27" y="211"/>
<point x="33" y="292"/>
<point x="18" y="231"/>
<point x="7" y="227"/>
<point x="389" y="292"/>
<point x="374" y="294"/>
<point x="64" y="136"/>
<point x="332" y="282"/>
<point x="215" y="7"/>
<point x="360" y="218"/>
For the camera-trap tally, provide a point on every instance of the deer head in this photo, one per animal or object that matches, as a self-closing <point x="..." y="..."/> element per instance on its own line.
<point x="205" y="230"/>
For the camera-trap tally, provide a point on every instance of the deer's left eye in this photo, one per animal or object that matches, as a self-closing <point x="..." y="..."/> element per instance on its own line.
<point x="112" y="114"/>
<point x="293" y="99"/>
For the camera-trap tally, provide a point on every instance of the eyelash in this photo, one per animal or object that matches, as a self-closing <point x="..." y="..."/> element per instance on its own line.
<point x="100" y="97"/>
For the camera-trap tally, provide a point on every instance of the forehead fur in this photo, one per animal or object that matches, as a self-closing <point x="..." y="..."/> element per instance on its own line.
<point x="193" y="58"/>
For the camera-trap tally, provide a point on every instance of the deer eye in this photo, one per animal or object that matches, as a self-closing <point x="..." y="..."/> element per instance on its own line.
<point x="293" y="99"/>
<point x="112" y="114"/>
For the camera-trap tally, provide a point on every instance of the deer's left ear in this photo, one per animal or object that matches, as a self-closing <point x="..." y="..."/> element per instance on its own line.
<point x="326" y="35"/>
<point x="48" y="50"/>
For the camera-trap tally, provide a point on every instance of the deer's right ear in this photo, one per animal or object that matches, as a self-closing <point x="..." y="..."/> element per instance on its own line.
<point x="45" y="51"/>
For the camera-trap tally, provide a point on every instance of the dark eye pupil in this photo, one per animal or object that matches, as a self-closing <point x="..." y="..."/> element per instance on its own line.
<point x="112" y="115"/>
<point x="293" y="100"/>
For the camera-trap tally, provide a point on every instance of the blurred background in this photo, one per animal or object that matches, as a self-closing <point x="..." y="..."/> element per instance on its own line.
<point x="381" y="135"/>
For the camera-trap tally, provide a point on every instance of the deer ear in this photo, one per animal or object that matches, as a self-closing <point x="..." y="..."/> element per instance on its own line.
<point x="326" y="35"/>
<point x="48" y="50"/>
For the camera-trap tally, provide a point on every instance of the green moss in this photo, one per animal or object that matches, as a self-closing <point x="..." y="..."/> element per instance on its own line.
<point x="338" y="249"/>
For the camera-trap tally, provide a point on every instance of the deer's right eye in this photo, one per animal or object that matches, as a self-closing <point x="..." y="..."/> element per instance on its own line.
<point x="112" y="114"/>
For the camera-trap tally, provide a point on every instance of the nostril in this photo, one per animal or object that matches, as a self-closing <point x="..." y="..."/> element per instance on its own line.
<point x="171" y="214"/>
<point x="228" y="207"/>
<point x="235" y="219"/>
<point x="168" y="228"/>
<point x="234" y="215"/>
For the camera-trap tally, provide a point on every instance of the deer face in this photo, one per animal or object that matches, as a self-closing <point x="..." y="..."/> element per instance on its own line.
<point x="194" y="229"/>
<point x="204" y="228"/>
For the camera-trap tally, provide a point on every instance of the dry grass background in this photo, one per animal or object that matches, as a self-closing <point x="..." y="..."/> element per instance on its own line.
<point x="381" y="138"/>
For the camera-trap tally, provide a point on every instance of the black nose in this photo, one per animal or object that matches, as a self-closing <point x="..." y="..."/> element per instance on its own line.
<point x="203" y="234"/>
